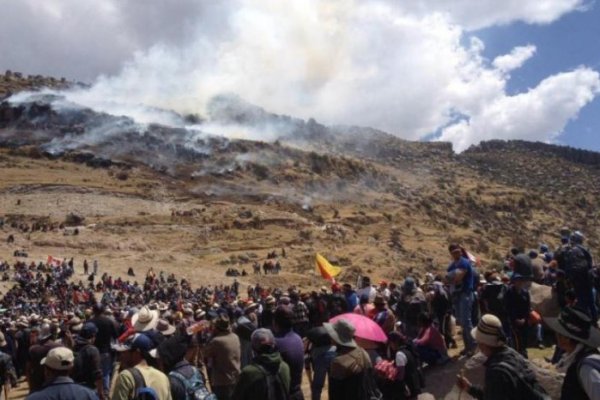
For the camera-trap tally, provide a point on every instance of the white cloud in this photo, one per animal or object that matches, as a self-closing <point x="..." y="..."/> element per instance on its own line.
<point x="398" y="66"/>
<point x="477" y="14"/>
<point x="515" y="59"/>
<point x="539" y="114"/>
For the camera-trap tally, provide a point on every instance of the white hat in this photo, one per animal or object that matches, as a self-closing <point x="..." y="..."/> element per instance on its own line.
<point x="59" y="359"/>
<point x="145" y="319"/>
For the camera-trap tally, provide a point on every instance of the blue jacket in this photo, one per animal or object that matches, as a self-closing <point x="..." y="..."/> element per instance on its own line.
<point x="63" y="388"/>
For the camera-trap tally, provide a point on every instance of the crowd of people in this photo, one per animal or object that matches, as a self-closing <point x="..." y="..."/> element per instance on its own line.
<point x="105" y="337"/>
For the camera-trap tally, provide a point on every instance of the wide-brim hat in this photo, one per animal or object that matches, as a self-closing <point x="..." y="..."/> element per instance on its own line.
<point x="145" y="319"/>
<point x="341" y="332"/>
<point x="575" y="324"/>
<point x="165" y="328"/>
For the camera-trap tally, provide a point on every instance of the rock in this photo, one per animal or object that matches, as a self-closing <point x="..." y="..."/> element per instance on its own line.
<point x="543" y="300"/>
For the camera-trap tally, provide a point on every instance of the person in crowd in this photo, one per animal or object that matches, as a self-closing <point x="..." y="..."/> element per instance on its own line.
<point x="320" y="352"/>
<point x="579" y="338"/>
<point x="351" y="296"/>
<point x="349" y="364"/>
<point x="364" y="307"/>
<point x="268" y="376"/>
<point x="8" y="374"/>
<point x="383" y="315"/>
<point x="222" y="355"/>
<point x="518" y="303"/>
<point x="35" y="369"/>
<point x="291" y="348"/>
<point x="460" y="275"/>
<point x="88" y="365"/>
<point x="508" y="376"/>
<point x="409" y="380"/>
<point x="137" y="374"/>
<point x="57" y="366"/>
<point x="107" y="332"/>
<point x="186" y="380"/>
<point x="430" y="343"/>
<point x="300" y="322"/>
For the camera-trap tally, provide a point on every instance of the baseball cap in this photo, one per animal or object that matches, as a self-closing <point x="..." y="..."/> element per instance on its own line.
<point x="139" y="341"/>
<point x="59" y="359"/>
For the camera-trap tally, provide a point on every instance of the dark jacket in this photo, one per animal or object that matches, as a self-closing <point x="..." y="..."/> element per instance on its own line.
<point x="253" y="381"/>
<point x="508" y="376"/>
<point x="63" y="388"/>
<point x="87" y="368"/>
<point x="345" y="373"/>
<point x="571" y="388"/>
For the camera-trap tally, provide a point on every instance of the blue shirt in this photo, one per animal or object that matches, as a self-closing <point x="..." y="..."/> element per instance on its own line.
<point x="63" y="388"/>
<point x="352" y="300"/>
<point x="467" y="281"/>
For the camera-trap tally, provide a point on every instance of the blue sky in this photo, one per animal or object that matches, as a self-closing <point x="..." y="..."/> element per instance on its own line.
<point x="565" y="44"/>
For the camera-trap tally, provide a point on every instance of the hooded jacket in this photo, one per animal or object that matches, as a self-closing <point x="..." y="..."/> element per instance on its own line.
<point x="253" y="382"/>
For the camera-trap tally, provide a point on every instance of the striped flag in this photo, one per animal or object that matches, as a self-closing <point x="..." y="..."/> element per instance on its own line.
<point x="325" y="269"/>
<point x="55" y="262"/>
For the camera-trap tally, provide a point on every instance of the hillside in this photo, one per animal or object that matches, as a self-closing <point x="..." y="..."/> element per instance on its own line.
<point x="183" y="200"/>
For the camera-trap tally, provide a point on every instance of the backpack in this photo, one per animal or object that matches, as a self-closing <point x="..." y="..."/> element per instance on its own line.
<point x="413" y="373"/>
<point x="493" y="295"/>
<point x="275" y="388"/>
<point x="194" y="386"/>
<point x="531" y="390"/>
<point x="141" y="391"/>
<point x="368" y="387"/>
<point x="82" y="374"/>
<point x="575" y="259"/>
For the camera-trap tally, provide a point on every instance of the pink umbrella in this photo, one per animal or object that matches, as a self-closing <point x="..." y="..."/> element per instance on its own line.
<point x="365" y="327"/>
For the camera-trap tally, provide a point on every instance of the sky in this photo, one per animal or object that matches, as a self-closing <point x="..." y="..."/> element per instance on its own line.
<point x="458" y="71"/>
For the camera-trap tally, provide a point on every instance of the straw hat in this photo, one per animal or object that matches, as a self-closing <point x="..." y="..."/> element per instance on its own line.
<point x="145" y="319"/>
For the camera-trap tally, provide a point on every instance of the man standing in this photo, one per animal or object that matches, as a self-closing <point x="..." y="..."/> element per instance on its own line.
<point x="107" y="331"/>
<point x="508" y="375"/>
<point x="8" y="375"/>
<point x="576" y="335"/>
<point x="268" y="376"/>
<point x="291" y="348"/>
<point x="136" y="374"/>
<point x="518" y="303"/>
<point x="57" y="365"/>
<point x="460" y="275"/>
<point x="349" y="365"/>
<point x="223" y="354"/>
<point x="88" y="367"/>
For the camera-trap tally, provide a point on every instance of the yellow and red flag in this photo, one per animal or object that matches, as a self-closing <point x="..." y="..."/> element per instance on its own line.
<point x="325" y="269"/>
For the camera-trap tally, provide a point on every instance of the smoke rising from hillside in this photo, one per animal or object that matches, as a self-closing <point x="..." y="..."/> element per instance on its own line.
<point x="402" y="69"/>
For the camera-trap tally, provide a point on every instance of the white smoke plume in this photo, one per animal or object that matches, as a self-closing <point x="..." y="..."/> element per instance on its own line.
<point x="402" y="67"/>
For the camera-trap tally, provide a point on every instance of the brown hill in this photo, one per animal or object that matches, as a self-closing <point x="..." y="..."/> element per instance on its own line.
<point x="196" y="204"/>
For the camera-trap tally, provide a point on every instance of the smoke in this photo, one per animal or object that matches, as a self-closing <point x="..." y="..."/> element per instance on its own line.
<point x="408" y="69"/>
